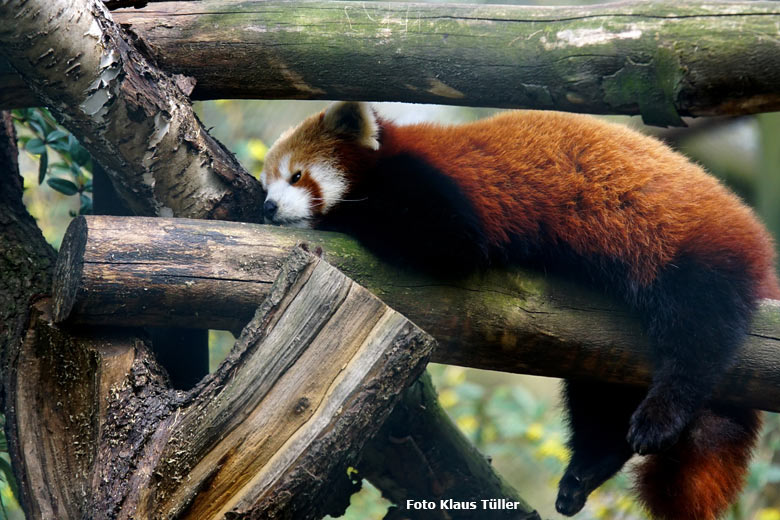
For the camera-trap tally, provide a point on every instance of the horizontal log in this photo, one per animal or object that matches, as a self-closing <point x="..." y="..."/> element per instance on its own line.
<point x="659" y="59"/>
<point x="145" y="271"/>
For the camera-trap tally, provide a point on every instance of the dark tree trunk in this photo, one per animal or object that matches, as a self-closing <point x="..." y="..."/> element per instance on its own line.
<point x="26" y="266"/>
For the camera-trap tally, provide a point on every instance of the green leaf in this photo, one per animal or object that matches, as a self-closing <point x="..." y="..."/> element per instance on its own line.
<point x="43" y="165"/>
<point x="38" y="121"/>
<point x="61" y="145"/>
<point x="8" y="473"/>
<point x="86" y="204"/>
<point x="35" y="146"/>
<point x="75" y="170"/>
<point x="79" y="154"/>
<point x="56" y="135"/>
<point x="64" y="186"/>
<point x="36" y="127"/>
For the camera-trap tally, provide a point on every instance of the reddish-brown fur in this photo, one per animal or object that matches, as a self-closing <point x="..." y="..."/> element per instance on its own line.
<point x="700" y="476"/>
<point x="575" y="172"/>
<point x="604" y="191"/>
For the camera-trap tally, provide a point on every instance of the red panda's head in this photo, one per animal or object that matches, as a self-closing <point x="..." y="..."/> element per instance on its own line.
<point x="305" y="174"/>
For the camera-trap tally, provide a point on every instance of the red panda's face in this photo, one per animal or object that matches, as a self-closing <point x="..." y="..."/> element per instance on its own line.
<point x="300" y="188"/>
<point x="302" y="176"/>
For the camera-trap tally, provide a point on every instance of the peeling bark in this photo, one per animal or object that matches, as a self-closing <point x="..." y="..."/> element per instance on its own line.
<point x="134" y="120"/>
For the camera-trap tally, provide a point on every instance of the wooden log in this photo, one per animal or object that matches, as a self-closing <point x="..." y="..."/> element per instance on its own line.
<point x="140" y="271"/>
<point x="661" y="59"/>
<point x="270" y="434"/>
<point x="60" y="400"/>
<point x="311" y="378"/>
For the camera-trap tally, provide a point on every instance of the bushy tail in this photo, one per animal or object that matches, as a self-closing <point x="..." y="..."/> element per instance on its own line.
<point x="702" y="475"/>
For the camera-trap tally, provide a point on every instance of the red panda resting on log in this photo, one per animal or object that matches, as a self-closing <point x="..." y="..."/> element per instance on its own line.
<point x="584" y="198"/>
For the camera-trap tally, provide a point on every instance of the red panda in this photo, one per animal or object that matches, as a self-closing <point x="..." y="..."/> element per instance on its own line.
<point x="585" y="198"/>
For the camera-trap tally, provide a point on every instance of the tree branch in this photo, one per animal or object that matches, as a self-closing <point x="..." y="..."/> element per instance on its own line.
<point x="661" y="59"/>
<point x="514" y="321"/>
<point x="134" y="120"/>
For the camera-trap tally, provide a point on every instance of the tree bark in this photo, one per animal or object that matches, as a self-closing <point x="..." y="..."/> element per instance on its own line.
<point x="514" y="321"/>
<point x="661" y="59"/>
<point x="311" y="378"/>
<point x="26" y="266"/>
<point x="167" y="342"/>
<point x="59" y="402"/>
<point x="133" y="119"/>
<point x="269" y="435"/>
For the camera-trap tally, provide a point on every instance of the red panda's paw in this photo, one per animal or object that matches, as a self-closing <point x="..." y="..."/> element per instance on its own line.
<point x="572" y="494"/>
<point x="656" y="425"/>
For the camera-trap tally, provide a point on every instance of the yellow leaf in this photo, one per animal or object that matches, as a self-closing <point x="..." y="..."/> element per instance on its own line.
<point x="535" y="432"/>
<point x="448" y="398"/>
<point x="454" y="376"/>
<point x="554" y="448"/>
<point x="769" y="513"/>
<point x="257" y="149"/>
<point x="467" y="423"/>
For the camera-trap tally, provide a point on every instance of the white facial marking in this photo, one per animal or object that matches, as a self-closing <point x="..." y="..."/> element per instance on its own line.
<point x="332" y="184"/>
<point x="264" y="179"/>
<point x="284" y="167"/>
<point x="293" y="203"/>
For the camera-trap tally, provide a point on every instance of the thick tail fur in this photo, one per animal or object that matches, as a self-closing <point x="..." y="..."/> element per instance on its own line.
<point x="700" y="476"/>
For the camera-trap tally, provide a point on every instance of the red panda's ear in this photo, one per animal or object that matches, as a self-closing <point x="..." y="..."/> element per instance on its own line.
<point x="354" y="121"/>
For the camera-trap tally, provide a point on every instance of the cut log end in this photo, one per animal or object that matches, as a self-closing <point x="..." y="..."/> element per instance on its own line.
<point x="68" y="270"/>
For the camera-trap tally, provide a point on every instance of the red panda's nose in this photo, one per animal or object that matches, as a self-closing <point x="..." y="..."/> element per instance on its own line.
<point x="269" y="208"/>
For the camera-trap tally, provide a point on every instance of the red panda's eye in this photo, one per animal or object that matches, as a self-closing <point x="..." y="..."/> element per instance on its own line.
<point x="295" y="178"/>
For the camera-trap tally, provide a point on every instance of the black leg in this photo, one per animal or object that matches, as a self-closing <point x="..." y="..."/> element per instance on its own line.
<point x="598" y="415"/>
<point x="696" y="317"/>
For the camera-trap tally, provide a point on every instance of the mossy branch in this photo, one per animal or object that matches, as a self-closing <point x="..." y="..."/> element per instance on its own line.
<point x="659" y="59"/>
<point x="207" y="274"/>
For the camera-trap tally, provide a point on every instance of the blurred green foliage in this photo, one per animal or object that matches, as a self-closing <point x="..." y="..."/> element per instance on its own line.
<point x="62" y="162"/>
<point x="9" y="490"/>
